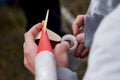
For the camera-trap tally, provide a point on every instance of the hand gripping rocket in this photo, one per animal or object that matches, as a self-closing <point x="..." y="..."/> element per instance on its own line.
<point x="45" y="66"/>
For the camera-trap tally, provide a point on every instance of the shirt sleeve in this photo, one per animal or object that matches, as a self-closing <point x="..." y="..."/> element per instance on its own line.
<point x="97" y="10"/>
<point x="66" y="74"/>
<point x="104" y="57"/>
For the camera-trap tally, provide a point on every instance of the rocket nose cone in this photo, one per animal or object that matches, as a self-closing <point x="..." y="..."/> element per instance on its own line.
<point x="44" y="43"/>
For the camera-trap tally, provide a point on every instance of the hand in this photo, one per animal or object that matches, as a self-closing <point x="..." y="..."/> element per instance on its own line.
<point x="78" y="31"/>
<point x="81" y="50"/>
<point x="30" y="47"/>
<point x="30" y="50"/>
<point x="61" y="55"/>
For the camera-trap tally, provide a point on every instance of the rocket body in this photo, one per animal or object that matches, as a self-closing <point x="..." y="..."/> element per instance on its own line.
<point x="45" y="66"/>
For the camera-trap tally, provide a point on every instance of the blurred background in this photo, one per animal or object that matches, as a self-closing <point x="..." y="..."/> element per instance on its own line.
<point x="12" y="29"/>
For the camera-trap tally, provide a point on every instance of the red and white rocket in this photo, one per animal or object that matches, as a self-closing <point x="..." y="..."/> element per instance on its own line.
<point x="45" y="66"/>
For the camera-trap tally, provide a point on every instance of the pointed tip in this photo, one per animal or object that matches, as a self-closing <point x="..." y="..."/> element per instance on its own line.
<point x="46" y="20"/>
<point x="44" y="43"/>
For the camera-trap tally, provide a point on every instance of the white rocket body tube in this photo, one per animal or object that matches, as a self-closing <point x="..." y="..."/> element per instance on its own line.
<point x="45" y="66"/>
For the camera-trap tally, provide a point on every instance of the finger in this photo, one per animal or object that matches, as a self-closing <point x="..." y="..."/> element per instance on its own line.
<point x="28" y="66"/>
<point x="32" y="33"/>
<point x="84" y="53"/>
<point x="80" y="38"/>
<point x="29" y="57"/>
<point x="30" y="54"/>
<point x="35" y="29"/>
<point x="29" y="49"/>
<point x="65" y="45"/>
<point x="79" y="50"/>
<point x="61" y="47"/>
<point x="77" y="24"/>
<point x="31" y="65"/>
<point x="61" y="56"/>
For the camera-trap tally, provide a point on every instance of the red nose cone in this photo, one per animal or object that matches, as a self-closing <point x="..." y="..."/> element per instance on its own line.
<point x="44" y="43"/>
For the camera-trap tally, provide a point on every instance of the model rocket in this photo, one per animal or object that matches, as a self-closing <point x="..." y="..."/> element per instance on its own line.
<point x="45" y="67"/>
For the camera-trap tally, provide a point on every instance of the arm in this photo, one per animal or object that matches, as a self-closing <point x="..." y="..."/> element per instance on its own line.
<point x="104" y="58"/>
<point x="97" y="10"/>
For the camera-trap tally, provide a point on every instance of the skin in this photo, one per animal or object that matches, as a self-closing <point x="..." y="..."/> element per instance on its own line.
<point x="60" y="50"/>
<point x="30" y="50"/>
<point x="78" y="31"/>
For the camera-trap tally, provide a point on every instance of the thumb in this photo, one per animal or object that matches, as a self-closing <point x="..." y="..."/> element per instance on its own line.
<point x="61" y="47"/>
<point x="65" y="45"/>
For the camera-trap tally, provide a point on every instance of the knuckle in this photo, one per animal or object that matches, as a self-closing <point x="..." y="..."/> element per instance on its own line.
<point x="58" y="45"/>
<point x="26" y="34"/>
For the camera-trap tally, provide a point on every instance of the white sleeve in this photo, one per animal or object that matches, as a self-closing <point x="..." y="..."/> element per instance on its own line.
<point x="66" y="74"/>
<point x="104" y="57"/>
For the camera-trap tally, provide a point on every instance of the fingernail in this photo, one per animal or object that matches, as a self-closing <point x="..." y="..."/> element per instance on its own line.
<point x="66" y="43"/>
